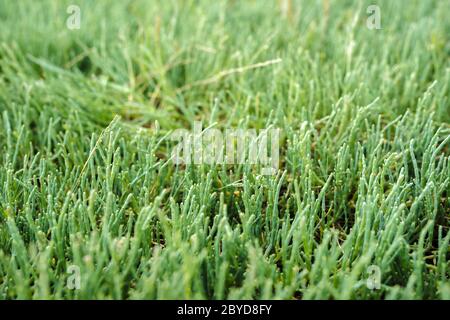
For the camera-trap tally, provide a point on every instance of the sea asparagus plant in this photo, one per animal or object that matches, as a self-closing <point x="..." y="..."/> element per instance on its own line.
<point x="88" y="188"/>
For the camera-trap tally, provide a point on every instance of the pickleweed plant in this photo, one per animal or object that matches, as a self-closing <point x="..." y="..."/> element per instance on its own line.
<point x="224" y="149"/>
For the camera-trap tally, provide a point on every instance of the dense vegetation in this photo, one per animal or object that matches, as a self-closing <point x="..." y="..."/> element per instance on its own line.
<point x="86" y="181"/>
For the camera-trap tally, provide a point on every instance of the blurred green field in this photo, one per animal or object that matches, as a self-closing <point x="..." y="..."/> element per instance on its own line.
<point x="91" y="206"/>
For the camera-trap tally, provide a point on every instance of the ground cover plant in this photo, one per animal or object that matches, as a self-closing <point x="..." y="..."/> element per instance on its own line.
<point x="92" y="207"/>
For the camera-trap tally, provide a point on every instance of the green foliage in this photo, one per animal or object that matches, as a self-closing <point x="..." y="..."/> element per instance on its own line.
<point x="86" y="179"/>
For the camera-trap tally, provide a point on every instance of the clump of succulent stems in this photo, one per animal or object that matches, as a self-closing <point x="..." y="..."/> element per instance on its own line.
<point x="86" y="178"/>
